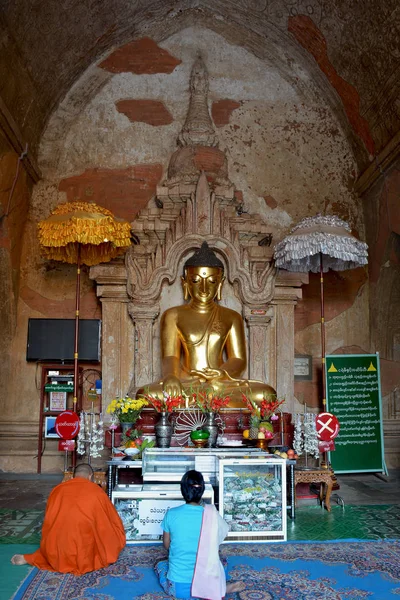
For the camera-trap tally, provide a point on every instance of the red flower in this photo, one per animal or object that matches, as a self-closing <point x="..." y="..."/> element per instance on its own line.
<point x="265" y="410"/>
<point x="167" y="404"/>
<point x="207" y="402"/>
<point x="268" y="407"/>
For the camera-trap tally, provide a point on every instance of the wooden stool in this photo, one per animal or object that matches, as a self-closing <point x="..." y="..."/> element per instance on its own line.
<point x="322" y="476"/>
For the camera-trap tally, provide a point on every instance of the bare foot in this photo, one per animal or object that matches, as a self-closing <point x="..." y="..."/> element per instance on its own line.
<point x="18" y="559"/>
<point x="236" y="586"/>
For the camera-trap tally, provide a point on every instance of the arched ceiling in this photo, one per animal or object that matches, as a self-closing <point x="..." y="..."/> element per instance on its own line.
<point x="348" y="49"/>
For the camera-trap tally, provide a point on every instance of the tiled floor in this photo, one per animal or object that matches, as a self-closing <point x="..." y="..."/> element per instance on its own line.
<point x="31" y="491"/>
<point x="26" y="491"/>
<point x="23" y="499"/>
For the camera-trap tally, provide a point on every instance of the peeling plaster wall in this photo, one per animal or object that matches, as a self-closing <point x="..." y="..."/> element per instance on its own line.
<point x="351" y="48"/>
<point x="382" y="218"/>
<point x="13" y="211"/>
<point x="345" y="326"/>
<point x="283" y="149"/>
<point x="287" y="156"/>
<point x="47" y="290"/>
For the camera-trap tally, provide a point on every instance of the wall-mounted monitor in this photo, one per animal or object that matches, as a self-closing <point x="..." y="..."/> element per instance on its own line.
<point x="52" y="340"/>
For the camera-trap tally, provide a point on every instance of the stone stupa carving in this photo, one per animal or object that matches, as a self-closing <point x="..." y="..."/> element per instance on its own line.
<point x="198" y="129"/>
<point x="198" y="141"/>
<point x="197" y="200"/>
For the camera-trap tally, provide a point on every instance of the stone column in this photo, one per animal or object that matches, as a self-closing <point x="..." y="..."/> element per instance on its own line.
<point x="117" y="348"/>
<point x="285" y="353"/>
<point x="143" y="318"/>
<point x="259" y="351"/>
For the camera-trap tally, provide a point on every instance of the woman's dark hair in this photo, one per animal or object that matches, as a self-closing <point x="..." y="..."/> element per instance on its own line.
<point x="192" y="486"/>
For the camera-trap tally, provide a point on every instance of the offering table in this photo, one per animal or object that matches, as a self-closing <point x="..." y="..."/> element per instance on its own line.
<point x="249" y="488"/>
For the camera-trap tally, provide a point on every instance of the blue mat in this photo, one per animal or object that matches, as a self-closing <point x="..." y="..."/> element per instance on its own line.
<point x="351" y="570"/>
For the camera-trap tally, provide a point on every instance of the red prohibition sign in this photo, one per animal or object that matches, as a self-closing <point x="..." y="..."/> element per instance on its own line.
<point x="327" y="426"/>
<point x="67" y="425"/>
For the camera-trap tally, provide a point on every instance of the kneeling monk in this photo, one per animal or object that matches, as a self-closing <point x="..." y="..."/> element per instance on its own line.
<point x="82" y="530"/>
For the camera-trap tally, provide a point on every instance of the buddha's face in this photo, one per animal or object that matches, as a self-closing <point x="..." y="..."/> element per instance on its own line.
<point x="203" y="283"/>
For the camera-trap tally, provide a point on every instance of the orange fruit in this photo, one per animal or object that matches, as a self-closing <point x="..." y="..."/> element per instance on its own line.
<point x="246" y="433"/>
<point x="130" y="444"/>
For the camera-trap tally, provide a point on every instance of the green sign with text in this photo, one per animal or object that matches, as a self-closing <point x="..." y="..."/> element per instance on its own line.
<point x="353" y="394"/>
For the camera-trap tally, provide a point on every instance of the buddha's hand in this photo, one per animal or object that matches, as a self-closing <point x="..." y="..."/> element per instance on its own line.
<point x="172" y="386"/>
<point x="209" y="374"/>
<point x="199" y="375"/>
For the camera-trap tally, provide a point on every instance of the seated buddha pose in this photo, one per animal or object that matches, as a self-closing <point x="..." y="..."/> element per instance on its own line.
<point x="202" y="343"/>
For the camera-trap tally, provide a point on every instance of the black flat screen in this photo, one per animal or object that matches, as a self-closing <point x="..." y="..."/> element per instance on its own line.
<point x="52" y="340"/>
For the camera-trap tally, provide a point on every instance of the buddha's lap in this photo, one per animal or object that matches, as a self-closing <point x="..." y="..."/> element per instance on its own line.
<point x="256" y="390"/>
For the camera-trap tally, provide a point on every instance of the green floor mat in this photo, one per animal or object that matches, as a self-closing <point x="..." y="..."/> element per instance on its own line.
<point x="20" y="526"/>
<point x="376" y="522"/>
<point x="312" y="523"/>
<point x="12" y="576"/>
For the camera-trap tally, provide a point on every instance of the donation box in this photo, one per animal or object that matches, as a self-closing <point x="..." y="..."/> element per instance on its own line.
<point x="252" y="498"/>
<point x="142" y="508"/>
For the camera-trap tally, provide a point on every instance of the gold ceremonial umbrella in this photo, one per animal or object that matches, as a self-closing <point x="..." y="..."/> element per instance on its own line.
<point x="82" y="233"/>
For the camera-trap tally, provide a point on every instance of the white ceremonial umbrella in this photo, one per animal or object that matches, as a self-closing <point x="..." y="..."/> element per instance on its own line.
<point x="318" y="244"/>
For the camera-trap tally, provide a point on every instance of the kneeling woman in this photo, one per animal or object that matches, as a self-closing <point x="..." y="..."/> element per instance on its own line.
<point x="192" y="535"/>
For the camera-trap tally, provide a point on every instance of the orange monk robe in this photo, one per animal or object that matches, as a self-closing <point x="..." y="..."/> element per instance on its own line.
<point x="81" y="532"/>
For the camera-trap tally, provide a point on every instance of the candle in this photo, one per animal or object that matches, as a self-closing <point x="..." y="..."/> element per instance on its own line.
<point x="186" y="402"/>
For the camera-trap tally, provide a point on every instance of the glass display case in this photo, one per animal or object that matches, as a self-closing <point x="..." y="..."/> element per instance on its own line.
<point x="142" y="508"/>
<point x="252" y="498"/>
<point x="169" y="464"/>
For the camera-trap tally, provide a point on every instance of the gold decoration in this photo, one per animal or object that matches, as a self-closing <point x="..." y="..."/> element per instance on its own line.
<point x="85" y="227"/>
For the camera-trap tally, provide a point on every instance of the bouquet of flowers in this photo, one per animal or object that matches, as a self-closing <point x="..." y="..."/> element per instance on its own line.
<point x="166" y="404"/>
<point x="268" y="408"/>
<point x="208" y="402"/>
<point x="126" y="410"/>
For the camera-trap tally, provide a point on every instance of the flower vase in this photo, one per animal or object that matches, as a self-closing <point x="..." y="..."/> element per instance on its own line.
<point x="126" y="425"/>
<point x="163" y="431"/>
<point x="211" y="426"/>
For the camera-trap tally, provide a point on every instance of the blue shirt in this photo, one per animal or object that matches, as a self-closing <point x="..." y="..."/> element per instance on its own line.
<point x="183" y="523"/>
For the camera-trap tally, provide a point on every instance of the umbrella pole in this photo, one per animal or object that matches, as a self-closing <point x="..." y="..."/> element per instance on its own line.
<point x="76" y="340"/>
<point x="76" y="337"/>
<point x="325" y="462"/>
<point x="321" y="271"/>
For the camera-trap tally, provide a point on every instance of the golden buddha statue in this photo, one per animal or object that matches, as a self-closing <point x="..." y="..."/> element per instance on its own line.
<point x="202" y="343"/>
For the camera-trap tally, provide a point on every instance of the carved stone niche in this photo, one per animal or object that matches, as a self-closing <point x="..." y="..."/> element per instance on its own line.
<point x="131" y="350"/>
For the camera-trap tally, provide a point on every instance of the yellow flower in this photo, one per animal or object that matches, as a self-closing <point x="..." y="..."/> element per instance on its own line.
<point x="124" y="405"/>
<point x="111" y="407"/>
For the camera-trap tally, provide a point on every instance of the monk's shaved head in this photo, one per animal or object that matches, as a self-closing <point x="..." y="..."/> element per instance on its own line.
<point x="84" y="470"/>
